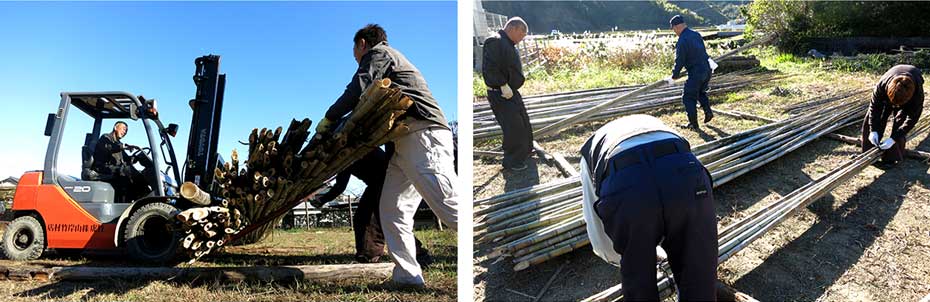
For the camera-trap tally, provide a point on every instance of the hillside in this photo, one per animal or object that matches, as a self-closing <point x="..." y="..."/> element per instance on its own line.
<point x="596" y="16"/>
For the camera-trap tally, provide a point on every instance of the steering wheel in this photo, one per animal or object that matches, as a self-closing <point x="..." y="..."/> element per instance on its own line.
<point x="144" y="151"/>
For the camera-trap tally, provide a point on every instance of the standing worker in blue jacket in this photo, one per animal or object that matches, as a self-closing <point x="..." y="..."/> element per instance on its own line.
<point x="645" y="195"/>
<point x="691" y="55"/>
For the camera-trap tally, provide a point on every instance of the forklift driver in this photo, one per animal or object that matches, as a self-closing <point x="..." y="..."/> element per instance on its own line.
<point x="111" y="166"/>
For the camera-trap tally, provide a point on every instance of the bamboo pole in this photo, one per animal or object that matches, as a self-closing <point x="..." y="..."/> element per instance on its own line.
<point x="555" y="127"/>
<point x="520" y="211"/>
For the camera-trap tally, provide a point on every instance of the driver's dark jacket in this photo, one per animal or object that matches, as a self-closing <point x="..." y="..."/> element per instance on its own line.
<point x="108" y="155"/>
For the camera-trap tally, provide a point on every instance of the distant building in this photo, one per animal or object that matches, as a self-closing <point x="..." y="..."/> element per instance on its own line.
<point x="9" y="183"/>
<point x="485" y="24"/>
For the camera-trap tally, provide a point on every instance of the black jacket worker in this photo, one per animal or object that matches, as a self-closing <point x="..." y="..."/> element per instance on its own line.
<point x="113" y="167"/>
<point x="899" y="93"/>
<point x="503" y="74"/>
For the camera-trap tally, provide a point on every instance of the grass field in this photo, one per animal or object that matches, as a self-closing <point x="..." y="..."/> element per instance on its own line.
<point x="866" y="241"/>
<point x="297" y="247"/>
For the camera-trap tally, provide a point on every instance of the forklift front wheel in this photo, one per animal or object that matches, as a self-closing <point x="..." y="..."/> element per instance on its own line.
<point x="149" y="237"/>
<point x="24" y="239"/>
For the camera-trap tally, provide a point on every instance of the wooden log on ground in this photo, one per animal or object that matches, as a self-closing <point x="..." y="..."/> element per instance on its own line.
<point x="726" y="293"/>
<point x="555" y="160"/>
<point x="490" y="154"/>
<point x="303" y="273"/>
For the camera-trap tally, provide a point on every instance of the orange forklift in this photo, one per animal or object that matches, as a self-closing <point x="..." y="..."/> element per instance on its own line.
<point x="52" y="210"/>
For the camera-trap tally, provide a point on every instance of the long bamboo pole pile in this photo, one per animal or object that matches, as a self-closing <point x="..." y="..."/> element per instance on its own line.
<point x="549" y="109"/>
<point x="280" y="171"/>
<point x="599" y="108"/>
<point x="533" y="225"/>
<point x="740" y="234"/>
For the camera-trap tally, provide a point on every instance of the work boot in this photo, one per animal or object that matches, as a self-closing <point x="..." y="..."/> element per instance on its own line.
<point x="708" y="115"/>
<point x="424" y="259"/>
<point x="366" y="259"/>
<point x="692" y="126"/>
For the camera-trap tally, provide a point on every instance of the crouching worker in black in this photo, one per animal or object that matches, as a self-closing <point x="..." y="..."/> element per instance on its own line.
<point x="369" y="238"/>
<point x="899" y="95"/>
<point x="642" y="187"/>
<point x="115" y="167"/>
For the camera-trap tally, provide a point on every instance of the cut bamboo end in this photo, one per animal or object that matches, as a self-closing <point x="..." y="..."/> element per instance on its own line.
<point x="191" y="192"/>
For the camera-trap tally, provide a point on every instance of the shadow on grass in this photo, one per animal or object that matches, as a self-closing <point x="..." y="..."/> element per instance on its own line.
<point x="258" y="258"/>
<point x="108" y="287"/>
<point x="216" y="280"/>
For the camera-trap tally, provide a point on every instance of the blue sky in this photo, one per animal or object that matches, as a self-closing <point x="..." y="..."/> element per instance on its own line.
<point x="283" y="60"/>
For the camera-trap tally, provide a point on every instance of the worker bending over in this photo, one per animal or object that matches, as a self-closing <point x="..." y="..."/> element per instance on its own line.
<point x="503" y="74"/>
<point x="422" y="164"/>
<point x="899" y="93"/>
<point x="642" y="187"/>
<point x="691" y="55"/>
<point x="366" y="222"/>
<point x="112" y="166"/>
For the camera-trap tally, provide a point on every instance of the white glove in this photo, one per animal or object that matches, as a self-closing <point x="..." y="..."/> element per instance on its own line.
<point x="669" y="81"/>
<point x="506" y="91"/>
<point x="873" y="137"/>
<point x="713" y="65"/>
<point x="887" y="143"/>
<point x="660" y="254"/>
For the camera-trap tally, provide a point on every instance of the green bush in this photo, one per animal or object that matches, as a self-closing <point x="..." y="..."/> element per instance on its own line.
<point x="795" y="22"/>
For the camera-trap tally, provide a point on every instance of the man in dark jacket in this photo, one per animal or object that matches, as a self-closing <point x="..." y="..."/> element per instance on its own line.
<point x="369" y="238"/>
<point x="422" y="162"/>
<point x="503" y="74"/>
<point x="112" y="167"/>
<point x="691" y="55"/>
<point x="899" y="93"/>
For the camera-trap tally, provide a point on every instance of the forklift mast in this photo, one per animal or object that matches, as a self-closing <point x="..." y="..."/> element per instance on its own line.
<point x="205" y="124"/>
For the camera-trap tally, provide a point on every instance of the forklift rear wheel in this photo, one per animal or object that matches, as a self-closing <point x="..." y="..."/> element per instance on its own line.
<point x="149" y="236"/>
<point x="24" y="239"/>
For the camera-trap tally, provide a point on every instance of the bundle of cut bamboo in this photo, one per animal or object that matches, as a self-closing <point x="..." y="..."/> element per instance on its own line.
<point x="539" y="223"/>
<point x="280" y="171"/>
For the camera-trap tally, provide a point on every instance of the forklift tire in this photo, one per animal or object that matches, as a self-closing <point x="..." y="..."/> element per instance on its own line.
<point x="24" y="239"/>
<point x="149" y="236"/>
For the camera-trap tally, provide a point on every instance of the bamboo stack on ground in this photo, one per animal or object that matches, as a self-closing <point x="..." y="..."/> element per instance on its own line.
<point x="589" y="112"/>
<point x="280" y="171"/>
<point x="539" y="223"/>
<point x="549" y="109"/>
<point x="736" y="236"/>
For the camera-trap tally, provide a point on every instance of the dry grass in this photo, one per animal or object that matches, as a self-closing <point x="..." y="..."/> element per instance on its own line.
<point x="866" y="241"/>
<point x="315" y="246"/>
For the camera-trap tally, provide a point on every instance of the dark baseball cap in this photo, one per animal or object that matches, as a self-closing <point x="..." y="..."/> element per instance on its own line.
<point x="677" y="19"/>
